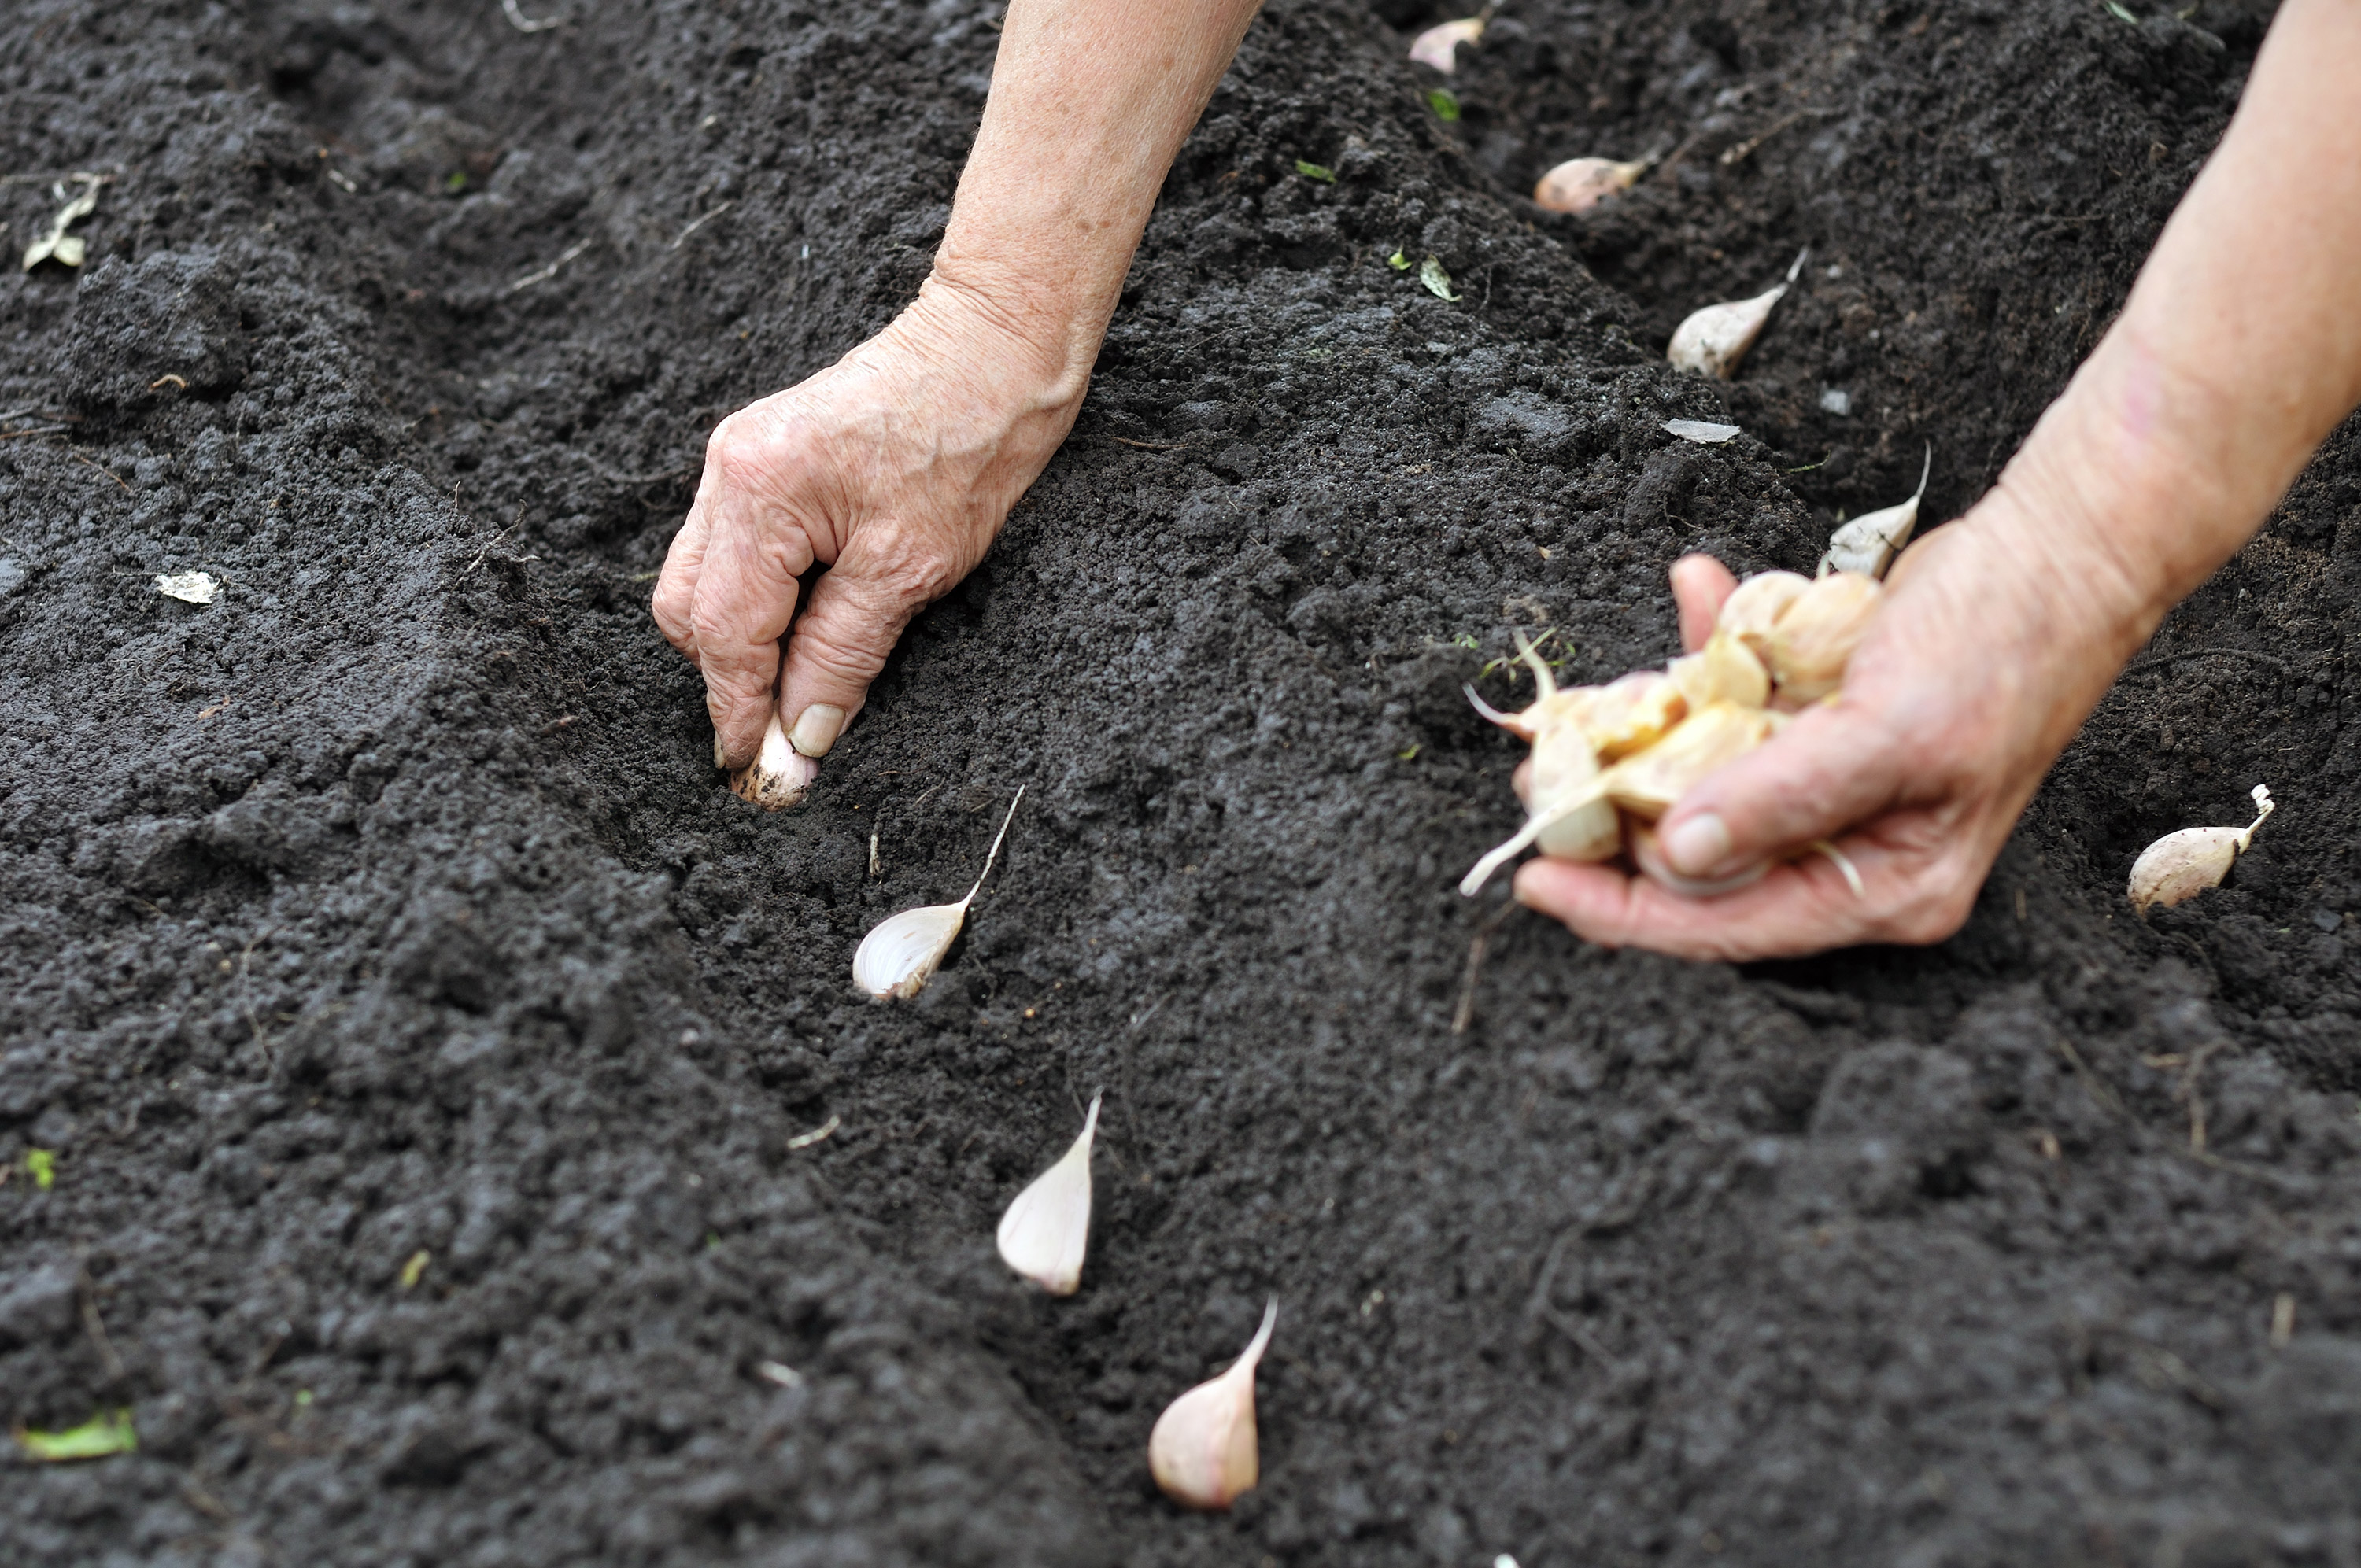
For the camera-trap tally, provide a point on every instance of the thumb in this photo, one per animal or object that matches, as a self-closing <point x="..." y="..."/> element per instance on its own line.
<point x="1833" y="767"/>
<point x="855" y="615"/>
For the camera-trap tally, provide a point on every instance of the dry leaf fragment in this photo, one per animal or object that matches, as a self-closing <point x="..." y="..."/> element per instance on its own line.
<point x="189" y="587"/>
<point x="1703" y="431"/>
<point x="58" y="246"/>
<point x="1712" y="341"/>
<point x="2182" y="865"/>
<point x="1432" y="273"/>
<point x="1439" y="44"/>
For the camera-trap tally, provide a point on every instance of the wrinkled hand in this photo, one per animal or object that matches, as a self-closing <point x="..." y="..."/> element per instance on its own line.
<point x="895" y="469"/>
<point x="1992" y="647"/>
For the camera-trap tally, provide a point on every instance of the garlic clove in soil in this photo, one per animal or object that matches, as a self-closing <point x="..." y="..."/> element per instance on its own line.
<point x="778" y="777"/>
<point x="902" y="952"/>
<point x="1439" y="44"/>
<point x="1044" y="1232"/>
<point x="1724" y="670"/>
<point x="1868" y="542"/>
<point x="1581" y="183"/>
<point x="1755" y="605"/>
<point x="1203" y="1450"/>
<point x="1712" y="341"/>
<point x="1814" y="638"/>
<point x="2182" y="865"/>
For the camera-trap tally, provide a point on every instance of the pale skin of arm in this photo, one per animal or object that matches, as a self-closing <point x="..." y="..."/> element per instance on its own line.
<point x="2237" y="353"/>
<point x="897" y="466"/>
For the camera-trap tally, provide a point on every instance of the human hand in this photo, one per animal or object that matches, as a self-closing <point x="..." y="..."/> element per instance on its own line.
<point x="1997" y="638"/>
<point x="895" y="467"/>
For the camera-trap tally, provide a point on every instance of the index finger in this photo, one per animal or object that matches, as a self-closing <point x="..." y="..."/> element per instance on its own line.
<point x="746" y="593"/>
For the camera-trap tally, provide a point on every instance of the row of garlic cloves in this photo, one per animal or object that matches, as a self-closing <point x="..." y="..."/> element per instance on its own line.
<point x="1203" y="1450"/>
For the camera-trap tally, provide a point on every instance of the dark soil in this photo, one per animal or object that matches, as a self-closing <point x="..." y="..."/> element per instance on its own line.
<point x="387" y="907"/>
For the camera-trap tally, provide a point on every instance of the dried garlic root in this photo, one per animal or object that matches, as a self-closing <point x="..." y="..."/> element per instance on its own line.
<point x="2179" y="866"/>
<point x="1712" y="341"/>
<point x="1609" y="761"/>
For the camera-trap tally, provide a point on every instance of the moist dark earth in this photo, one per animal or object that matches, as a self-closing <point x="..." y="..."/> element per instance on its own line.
<point x="427" y="1047"/>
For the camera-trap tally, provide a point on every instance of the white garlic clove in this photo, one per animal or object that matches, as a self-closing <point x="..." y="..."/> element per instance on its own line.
<point x="778" y="777"/>
<point x="1632" y="714"/>
<point x="1814" y="638"/>
<point x="1650" y="858"/>
<point x="1203" y="1450"/>
<point x="1868" y="542"/>
<point x="1712" y="341"/>
<point x="1581" y="183"/>
<point x="1439" y="45"/>
<point x="2182" y="865"/>
<point x="1044" y="1232"/>
<point x="1650" y="782"/>
<point x="1724" y="670"/>
<point x="1754" y="607"/>
<point x="902" y="952"/>
<point x="1563" y="763"/>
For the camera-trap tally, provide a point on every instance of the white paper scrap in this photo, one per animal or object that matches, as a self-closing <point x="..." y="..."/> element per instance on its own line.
<point x="191" y="588"/>
<point x="1700" y="429"/>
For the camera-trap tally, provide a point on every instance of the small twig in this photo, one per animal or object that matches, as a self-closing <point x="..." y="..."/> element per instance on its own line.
<point x="2162" y="659"/>
<point x="524" y="24"/>
<point x="101" y="467"/>
<point x="695" y="225"/>
<point x="1477" y="946"/>
<point x="546" y="273"/>
<point x="806" y="1140"/>
<point x="246" y="994"/>
<point x="38" y="430"/>
<point x="1152" y="445"/>
<point x="96" y="1327"/>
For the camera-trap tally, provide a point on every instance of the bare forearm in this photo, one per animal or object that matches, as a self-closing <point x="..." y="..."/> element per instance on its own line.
<point x="1090" y="100"/>
<point x="2240" y="347"/>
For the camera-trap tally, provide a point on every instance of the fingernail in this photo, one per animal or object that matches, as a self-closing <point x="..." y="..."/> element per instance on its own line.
<point x="817" y="729"/>
<point x="1698" y="845"/>
<point x="720" y="752"/>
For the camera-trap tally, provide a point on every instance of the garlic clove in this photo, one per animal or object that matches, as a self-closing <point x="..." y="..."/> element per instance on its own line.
<point x="778" y="777"/>
<point x="1712" y="341"/>
<point x="1648" y="856"/>
<point x="1648" y="784"/>
<point x="1755" y="605"/>
<point x="902" y="952"/>
<point x="1868" y="542"/>
<point x="1724" y="670"/>
<point x="1632" y="714"/>
<point x="1439" y="45"/>
<point x="1044" y="1232"/>
<point x="1814" y="638"/>
<point x="1563" y="763"/>
<point x="1581" y="183"/>
<point x="1203" y="1450"/>
<point x="2179" y="866"/>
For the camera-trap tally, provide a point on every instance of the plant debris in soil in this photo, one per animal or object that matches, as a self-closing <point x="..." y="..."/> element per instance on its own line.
<point x="388" y="908"/>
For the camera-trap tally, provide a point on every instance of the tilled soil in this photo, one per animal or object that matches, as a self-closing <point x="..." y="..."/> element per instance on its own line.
<point x="428" y="1048"/>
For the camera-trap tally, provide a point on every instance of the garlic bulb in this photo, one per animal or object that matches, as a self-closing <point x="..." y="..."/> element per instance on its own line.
<point x="1868" y="542"/>
<point x="1203" y="1450"/>
<point x="1814" y="638"/>
<point x="1439" y="45"/>
<point x="1724" y="670"/>
<point x="778" y="777"/>
<point x="1756" y="604"/>
<point x="2182" y="865"/>
<point x="901" y="953"/>
<point x="1713" y="340"/>
<point x="1044" y="1232"/>
<point x="1581" y="183"/>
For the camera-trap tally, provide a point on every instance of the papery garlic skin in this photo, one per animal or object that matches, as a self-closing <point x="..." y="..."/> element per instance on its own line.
<point x="1868" y="543"/>
<point x="1814" y="638"/>
<point x="1045" y="1232"/>
<point x="1581" y="183"/>
<point x="1439" y="44"/>
<point x="2179" y="866"/>
<point x="1755" y="605"/>
<point x="1204" y="1451"/>
<point x="1712" y="341"/>
<point x="779" y="776"/>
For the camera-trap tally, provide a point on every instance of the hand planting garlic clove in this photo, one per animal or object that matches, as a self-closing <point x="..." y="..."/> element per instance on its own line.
<point x="1044" y="1232"/>
<point x="1439" y="44"/>
<point x="1712" y="341"/>
<point x="1203" y="1450"/>
<point x="1812" y="639"/>
<point x="2179" y="866"/>
<point x="1581" y="183"/>
<point x="902" y="952"/>
<point x="778" y="777"/>
<point x="1868" y="542"/>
